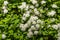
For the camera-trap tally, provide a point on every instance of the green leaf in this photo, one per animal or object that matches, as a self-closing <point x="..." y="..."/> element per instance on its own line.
<point x="41" y="38"/>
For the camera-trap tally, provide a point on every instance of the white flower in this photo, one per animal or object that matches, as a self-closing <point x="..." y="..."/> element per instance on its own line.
<point x="52" y="13"/>
<point x="35" y="9"/>
<point x="55" y="26"/>
<point x="58" y="34"/>
<point x="52" y="20"/>
<point x="31" y="6"/>
<point x="42" y="2"/>
<point x="27" y="12"/>
<point x="5" y="11"/>
<point x="29" y="22"/>
<point x="23" y="5"/>
<point x="27" y="7"/>
<point x="58" y="25"/>
<point x="37" y="5"/>
<point x="34" y="22"/>
<point x="23" y="29"/>
<point x="5" y="2"/>
<point x="35" y="32"/>
<point x="42" y="23"/>
<point x="30" y="34"/>
<point x="38" y="21"/>
<point x="37" y="26"/>
<point x="26" y="25"/>
<point x="20" y="7"/>
<point x="54" y="6"/>
<point x="35" y="17"/>
<point x="37" y="12"/>
<point x="58" y="38"/>
<point x="27" y="15"/>
<point x="3" y="36"/>
<point x="24" y="18"/>
<point x="33" y="1"/>
<point x="21" y="25"/>
<point x="33" y="28"/>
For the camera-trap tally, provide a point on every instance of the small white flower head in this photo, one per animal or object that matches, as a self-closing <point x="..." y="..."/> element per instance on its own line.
<point x="26" y="25"/>
<point x="30" y="34"/>
<point x="52" y="13"/>
<point x="3" y="7"/>
<point x="3" y="36"/>
<point x="27" y="15"/>
<point x="54" y="6"/>
<point x="35" y="17"/>
<point x="35" y="9"/>
<point x="52" y="20"/>
<point x="27" y="12"/>
<point x="37" y="12"/>
<point x="5" y="11"/>
<point x="34" y="1"/>
<point x="35" y="32"/>
<point x="58" y="38"/>
<point x="23" y="18"/>
<point x="58" y="34"/>
<point x="33" y="27"/>
<point x="29" y="22"/>
<point x="37" y="5"/>
<point x="42" y="23"/>
<point x="42" y="2"/>
<point x="24" y="4"/>
<point x="58" y="25"/>
<point x="21" y="7"/>
<point x="23" y="29"/>
<point x="31" y="6"/>
<point x="5" y="2"/>
<point x="27" y="7"/>
<point x="34" y="22"/>
<point x="37" y="26"/>
<point x="38" y="21"/>
<point x="21" y="25"/>
<point x="55" y="26"/>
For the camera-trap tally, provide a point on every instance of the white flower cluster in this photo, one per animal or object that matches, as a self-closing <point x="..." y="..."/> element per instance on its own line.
<point x="4" y="7"/>
<point x="42" y="2"/>
<point x="25" y="15"/>
<point x="36" y="11"/>
<point x="54" y="6"/>
<point x="51" y="13"/>
<point x="59" y="31"/>
<point x="56" y="26"/>
<point x="34" y="1"/>
<point x="33" y="25"/>
<point x="3" y="36"/>
<point x="24" y="6"/>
